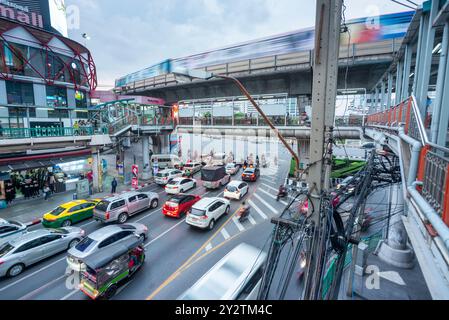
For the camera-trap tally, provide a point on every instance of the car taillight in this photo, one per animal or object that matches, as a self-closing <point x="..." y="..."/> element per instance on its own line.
<point x="107" y="216"/>
<point x="253" y="175"/>
<point x="145" y="228"/>
<point x="50" y="219"/>
<point x="1" y="262"/>
<point x="204" y="217"/>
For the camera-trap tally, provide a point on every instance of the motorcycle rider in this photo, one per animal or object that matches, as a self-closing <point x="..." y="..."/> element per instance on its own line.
<point x="282" y="192"/>
<point x="244" y="211"/>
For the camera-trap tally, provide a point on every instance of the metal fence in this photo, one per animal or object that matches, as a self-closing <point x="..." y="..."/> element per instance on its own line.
<point x="23" y="133"/>
<point x="433" y="168"/>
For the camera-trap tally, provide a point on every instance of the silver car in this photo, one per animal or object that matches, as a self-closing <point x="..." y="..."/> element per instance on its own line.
<point x="120" y="208"/>
<point x="100" y="239"/>
<point x="11" y="229"/>
<point x="32" y="247"/>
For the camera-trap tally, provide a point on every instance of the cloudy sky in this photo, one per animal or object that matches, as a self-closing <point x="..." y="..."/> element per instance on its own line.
<point x="126" y="36"/>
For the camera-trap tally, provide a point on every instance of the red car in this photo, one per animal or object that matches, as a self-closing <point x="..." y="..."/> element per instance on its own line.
<point x="180" y="204"/>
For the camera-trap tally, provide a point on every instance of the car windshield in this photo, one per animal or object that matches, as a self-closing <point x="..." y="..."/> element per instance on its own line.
<point x="249" y="171"/>
<point x="57" y="211"/>
<point x="59" y="231"/>
<point x="231" y="188"/>
<point x="85" y="245"/>
<point x="5" y="249"/>
<point x="162" y="175"/>
<point x="15" y="223"/>
<point x="230" y="166"/>
<point x="172" y="204"/>
<point x="173" y="183"/>
<point x="198" y="212"/>
<point x="102" y="206"/>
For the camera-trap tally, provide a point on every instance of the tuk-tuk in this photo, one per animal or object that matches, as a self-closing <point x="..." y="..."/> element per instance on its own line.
<point x="106" y="269"/>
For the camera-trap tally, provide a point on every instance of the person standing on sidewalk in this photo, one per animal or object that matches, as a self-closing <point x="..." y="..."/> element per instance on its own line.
<point x="47" y="192"/>
<point x="114" y="186"/>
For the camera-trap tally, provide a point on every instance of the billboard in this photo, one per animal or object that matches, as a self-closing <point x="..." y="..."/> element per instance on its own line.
<point x="58" y="17"/>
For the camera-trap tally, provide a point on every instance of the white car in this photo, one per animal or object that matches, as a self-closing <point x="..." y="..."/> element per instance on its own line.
<point x="180" y="185"/>
<point x="164" y="176"/>
<point x="193" y="167"/>
<point x="236" y="190"/>
<point x="232" y="168"/>
<point x="205" y="213"/>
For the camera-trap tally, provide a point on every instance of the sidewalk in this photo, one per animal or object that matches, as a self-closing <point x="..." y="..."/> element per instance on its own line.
<point x="27" y="211"/>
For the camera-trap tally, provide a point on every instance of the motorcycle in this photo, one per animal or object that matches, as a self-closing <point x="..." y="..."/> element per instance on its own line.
<point x="282" y="194"/>
<point x="243" y="214"/>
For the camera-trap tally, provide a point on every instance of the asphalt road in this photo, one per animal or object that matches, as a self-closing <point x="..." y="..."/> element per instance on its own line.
<point x="177" y="255"/>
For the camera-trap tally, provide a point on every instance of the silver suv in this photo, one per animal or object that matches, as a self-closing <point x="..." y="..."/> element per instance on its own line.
<point x="120" y="208"/>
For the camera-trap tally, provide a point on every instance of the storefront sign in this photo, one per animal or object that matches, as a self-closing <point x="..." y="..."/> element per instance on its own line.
<point x="21" y="14"/>
<point x="135" y="176"/>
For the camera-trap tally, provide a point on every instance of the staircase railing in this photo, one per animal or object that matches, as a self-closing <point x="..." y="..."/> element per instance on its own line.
<point x="433" y="167"/>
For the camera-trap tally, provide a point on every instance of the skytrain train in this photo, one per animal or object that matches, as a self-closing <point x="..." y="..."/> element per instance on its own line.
<point x="362" y="30"/>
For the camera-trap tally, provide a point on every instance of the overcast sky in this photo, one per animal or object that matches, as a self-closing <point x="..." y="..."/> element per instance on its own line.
<point x="130" y="35"/>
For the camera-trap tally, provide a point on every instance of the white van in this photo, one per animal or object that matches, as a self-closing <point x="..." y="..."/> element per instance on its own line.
<point x="238" y="276"/>
<point x="166" y="161"/>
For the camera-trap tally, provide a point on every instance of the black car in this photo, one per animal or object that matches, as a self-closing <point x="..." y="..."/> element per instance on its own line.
<point x="251" y="174"/>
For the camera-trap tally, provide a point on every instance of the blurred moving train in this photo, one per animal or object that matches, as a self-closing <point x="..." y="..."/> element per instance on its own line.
<point x="361" y="30"/>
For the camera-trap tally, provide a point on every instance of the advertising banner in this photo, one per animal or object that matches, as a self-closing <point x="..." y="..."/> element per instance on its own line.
<point x="135" y="176"/>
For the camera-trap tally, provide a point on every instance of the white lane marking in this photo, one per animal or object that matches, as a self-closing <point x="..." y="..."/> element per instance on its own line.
<point x="149" y="214"/>
<point x="273" y="197"/>
<point x="238" y="224"/>
<point x="392" y="276"/>
<point x="208" y="247"/>
<point x="34" y="292"/>
<point x="270" y="187"/>
<point x="257" y="209"/>
<point x="31" y="274"/>
<point x="225" y="234"/>
<point x="164" y="233"/>
<point x="266" y="204"/>
<point x="70" y="294"/>
<point x="270" y="181"/>
<point x="252" y="221"/>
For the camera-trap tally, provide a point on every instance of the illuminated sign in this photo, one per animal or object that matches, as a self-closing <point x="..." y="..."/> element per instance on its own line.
<point x="21" y="14"/>
<point x="58" y="16"/>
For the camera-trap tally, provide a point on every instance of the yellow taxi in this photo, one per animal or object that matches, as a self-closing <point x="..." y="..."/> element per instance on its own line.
<point x="69" y="213"/>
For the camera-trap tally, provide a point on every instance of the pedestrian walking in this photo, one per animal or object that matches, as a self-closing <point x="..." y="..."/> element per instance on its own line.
<point x="76" y="128"/>
<point x="114" y="186"/>
<point x="47" y="192"/>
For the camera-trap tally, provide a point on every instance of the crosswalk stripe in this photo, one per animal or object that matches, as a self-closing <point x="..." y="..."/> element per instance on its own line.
<point x="263" y="215"/>
<point x="208" y="247"/>
<point x="238" y="224"/>
<point x="273" y="197"/>
<point x="251" y="219"/>
<point x="225" y="234"/>
<point x="268" y="181"/>
<point x="266" y="204"/>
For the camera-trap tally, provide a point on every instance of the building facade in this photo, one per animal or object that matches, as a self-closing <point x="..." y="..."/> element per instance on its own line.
<point x="45" y="78"/>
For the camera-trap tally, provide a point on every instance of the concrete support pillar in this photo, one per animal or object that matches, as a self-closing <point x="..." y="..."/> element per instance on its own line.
<point x="146" y="171"/>
<point x="444" y="109"/>
<point x="426" y="58"/>
<point x="419" y="50"/>
<point x="376" y="101"/>
<point x="398" y="90"/>
<point x="390" y="91"/>
<point x="394" y="249"/>
<point x="406" y="72"/>
<point x="383" y="99"/>
<point x="441" y="85"/>
<point x="97" y="171"/>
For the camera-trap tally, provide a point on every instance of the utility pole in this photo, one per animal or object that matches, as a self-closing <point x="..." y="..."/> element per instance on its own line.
<point x="324" y="92"/>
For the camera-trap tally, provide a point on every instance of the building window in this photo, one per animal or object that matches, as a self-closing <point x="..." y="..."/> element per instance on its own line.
<point x="81" y="99"/>
<point x="58" y="114"/>
<point x="20" y="93"/>
<point x="56" y="97"/>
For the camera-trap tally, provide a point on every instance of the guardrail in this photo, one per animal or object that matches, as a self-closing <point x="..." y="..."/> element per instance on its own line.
<point x="433" y="166"/>
<point x="23" y="133"/>
<point x="140" y="120"/>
